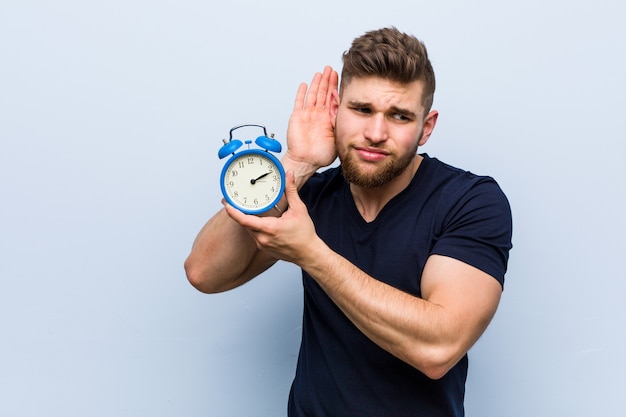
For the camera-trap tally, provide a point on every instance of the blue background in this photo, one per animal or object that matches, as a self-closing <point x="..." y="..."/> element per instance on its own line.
<point x="111" y="115"/>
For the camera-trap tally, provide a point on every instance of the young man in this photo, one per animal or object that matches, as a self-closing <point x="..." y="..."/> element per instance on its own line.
<point x="403" y="257"/>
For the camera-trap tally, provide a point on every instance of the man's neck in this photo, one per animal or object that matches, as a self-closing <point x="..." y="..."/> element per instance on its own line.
<point x="370" y="201"/>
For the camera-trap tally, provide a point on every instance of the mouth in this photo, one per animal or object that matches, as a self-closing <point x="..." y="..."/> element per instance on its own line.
<point x="371" y="154"/>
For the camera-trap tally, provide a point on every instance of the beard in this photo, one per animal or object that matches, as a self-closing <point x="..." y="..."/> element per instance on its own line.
<point x="382" y="175"/>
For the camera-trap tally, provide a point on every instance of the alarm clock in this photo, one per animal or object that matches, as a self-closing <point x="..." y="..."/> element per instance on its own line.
<point x="252" y="180"/>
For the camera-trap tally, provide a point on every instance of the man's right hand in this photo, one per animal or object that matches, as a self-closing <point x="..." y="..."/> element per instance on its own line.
<point x="310" y="133"/>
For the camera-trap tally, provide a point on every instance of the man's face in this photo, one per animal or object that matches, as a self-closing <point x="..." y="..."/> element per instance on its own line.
<point x="378" y="127"/>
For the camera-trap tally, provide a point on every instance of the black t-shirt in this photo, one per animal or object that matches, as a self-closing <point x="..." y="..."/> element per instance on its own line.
<point x="444" y="211"/>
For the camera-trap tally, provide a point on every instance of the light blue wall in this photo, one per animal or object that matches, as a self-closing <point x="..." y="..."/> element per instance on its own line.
<point x="111" y="114"/>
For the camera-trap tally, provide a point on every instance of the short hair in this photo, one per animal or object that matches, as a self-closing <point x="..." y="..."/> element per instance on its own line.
<point x="391" y="54"/>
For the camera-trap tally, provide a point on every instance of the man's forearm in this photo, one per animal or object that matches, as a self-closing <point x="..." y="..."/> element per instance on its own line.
<point x="224" y="256"/>
<point x="430" y="336"/>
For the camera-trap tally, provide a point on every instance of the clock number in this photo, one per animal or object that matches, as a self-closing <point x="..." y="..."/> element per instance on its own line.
<point x="240" y="164"/>
<point x="250" y="161"/>
<point x="234" y="173"/>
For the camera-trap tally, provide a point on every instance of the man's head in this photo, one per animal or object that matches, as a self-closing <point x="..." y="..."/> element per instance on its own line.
<point x="390" y="54"/>
<point x="383" y="112"/>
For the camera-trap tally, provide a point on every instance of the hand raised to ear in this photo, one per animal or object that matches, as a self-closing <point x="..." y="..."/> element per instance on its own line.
<point x="310" y="133"/>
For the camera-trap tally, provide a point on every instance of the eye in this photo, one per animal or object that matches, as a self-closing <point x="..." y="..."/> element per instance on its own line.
<point x="401" y="117"/>
<point x="364" y="110"/>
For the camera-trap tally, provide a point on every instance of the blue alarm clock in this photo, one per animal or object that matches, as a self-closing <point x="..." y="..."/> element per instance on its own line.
<point x="253" y="180"/>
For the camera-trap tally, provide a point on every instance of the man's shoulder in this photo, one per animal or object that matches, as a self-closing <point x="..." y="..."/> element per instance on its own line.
<point x="457" y="181"/>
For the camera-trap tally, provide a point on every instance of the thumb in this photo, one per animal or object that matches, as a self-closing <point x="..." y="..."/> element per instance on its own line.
<point x="291" y="191"/>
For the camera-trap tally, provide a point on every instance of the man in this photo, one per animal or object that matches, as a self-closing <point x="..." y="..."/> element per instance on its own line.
<point x="403" y="257"/>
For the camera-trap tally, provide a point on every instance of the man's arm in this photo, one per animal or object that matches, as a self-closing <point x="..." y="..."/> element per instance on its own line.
<point x="211" y="266"/>
<point x="430" y="333"/>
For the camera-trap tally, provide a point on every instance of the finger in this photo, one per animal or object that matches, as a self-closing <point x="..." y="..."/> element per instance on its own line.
<point x="322" y="91"/>
<point x="311" y="97"/>
<point x="244" y="220"/>
<point x="300" y="96"/>
<point x="291" y="191"/>
<point x="332" y="87"/>
<point x="232" y="212"/>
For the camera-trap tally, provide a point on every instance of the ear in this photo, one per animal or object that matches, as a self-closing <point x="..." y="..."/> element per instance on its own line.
<point x="334" y="107"/>
<point x="429" y="125"/>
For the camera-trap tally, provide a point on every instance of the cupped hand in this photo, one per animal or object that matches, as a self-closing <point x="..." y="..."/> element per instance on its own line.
<point x="310" y="133"/>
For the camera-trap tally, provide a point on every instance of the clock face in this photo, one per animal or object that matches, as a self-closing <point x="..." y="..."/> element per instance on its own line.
<point x="253" y="181"/>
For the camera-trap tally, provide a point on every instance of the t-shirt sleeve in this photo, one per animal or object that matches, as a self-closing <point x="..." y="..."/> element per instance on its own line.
<point x="476" y="227"/>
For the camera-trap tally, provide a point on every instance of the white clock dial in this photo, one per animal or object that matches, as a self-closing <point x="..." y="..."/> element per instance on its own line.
<point x="252" y="181"/>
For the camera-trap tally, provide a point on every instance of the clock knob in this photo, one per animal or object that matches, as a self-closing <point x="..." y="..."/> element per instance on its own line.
<point x="229" y="147"/>
<point x="270" y="144"/>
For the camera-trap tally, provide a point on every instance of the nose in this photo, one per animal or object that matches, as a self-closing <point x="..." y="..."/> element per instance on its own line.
<point x="376" y="130"/>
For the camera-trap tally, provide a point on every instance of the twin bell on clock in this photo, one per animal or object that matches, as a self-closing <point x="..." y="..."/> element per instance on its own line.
<point x="252" y="180"/>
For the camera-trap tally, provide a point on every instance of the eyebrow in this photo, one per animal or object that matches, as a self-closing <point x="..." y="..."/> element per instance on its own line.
<point x="393" y="109"/>
<point x="404" y="112"/>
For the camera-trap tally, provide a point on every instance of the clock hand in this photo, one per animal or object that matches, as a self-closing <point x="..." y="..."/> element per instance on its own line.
<point x="254" y="180"/>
